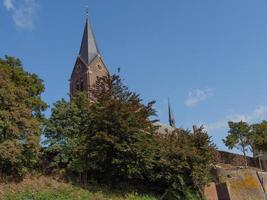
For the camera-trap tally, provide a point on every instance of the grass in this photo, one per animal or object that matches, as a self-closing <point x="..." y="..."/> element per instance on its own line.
<point x="47" y="188"/>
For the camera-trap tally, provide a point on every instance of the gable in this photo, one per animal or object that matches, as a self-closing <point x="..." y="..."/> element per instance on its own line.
<point x="79" y="67"/>
<point x="95" y="62"/>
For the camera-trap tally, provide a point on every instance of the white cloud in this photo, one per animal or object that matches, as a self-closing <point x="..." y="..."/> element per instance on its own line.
<point x="23" y="12"/>
<point x="258" y="114"/>
<point x="9" y="4"/>
<point x="197" y="95"/>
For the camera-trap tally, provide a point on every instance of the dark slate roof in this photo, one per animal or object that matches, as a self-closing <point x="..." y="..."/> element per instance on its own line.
<point x="88" y="49"/>
<point x="171" y="115"/>
<point x="163" y="128"/>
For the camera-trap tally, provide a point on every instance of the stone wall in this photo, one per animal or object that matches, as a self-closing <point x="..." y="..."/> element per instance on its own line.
<point x="234" y="183"/>
<point x="263" y="179"/>
<point x="241" y="184"/>
<point x="210" y="192"/>
<point x="238" y="160"/>
<point x="222" y="191"/>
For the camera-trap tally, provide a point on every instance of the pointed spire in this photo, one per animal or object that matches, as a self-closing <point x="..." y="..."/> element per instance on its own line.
<point x="171" y="116"/>
<point x="88" y="49"/>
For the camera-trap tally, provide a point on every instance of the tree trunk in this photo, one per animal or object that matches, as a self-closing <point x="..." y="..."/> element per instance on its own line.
<point x="245" y="158"/>
<point x="85" y="177"/>
<point x="80" y="178"/>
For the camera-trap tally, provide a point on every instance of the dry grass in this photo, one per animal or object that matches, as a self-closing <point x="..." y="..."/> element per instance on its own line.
<point x="30" y="183"/>
<point x="48" y="188"/>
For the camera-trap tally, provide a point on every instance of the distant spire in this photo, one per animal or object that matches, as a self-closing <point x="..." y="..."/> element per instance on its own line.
<point x="88" y="49"/>
<point x="171" y="116"/>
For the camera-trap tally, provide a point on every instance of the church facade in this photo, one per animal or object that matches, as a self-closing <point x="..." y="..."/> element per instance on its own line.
<point x="89" y="64"/>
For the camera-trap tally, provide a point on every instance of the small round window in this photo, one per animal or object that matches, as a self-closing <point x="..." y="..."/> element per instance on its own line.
<point x="99" y="67"/>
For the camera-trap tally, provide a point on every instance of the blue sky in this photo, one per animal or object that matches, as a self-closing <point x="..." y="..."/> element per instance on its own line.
<point x="208" y="56"/>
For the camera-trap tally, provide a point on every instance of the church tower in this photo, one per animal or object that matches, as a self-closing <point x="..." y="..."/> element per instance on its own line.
<point x="89" y="64"/>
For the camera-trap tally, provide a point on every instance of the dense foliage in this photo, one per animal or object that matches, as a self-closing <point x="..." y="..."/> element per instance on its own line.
<point x="185" y="163"/>
<point x="20" y="117"/>
<point x="259" y="136"/>
<point x="246" y="137"/>
<point x="112" y="141"/>
<point x="108" y="139"/>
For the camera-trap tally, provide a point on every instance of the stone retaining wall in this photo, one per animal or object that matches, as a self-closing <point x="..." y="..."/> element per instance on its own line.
<point x="241" y="184"/>
<point x="238" y="160"/>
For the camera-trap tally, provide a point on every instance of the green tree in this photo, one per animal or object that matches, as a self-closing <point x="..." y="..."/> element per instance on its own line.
<point x="21" y="117"/>
<point x="185" y="163"/>
<point x="107" y="139"/>
<point x="240" y="137"/>
<point x="66" y="134"/>
<point x="259" y="136"/>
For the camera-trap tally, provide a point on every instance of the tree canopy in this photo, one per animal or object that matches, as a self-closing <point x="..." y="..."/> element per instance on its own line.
<point x="259" y="136"/>
<point x="21" y="116"/>
<point x="102" y="133"/>
<point x="113" y="141"/>
<point x="246" y="137"/>
<point x="239" y="137"/>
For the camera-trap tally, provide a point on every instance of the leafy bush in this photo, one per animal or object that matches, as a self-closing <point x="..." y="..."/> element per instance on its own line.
<point x="21" y="118"/>
<point x="183" y="168"/>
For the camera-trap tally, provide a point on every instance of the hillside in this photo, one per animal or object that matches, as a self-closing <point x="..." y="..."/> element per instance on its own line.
<point x="48" y="188"/>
